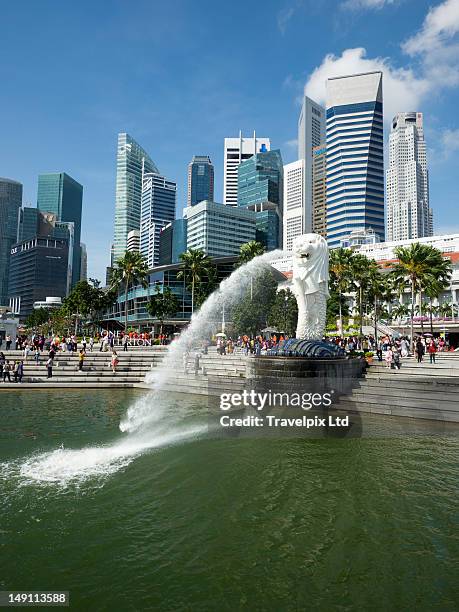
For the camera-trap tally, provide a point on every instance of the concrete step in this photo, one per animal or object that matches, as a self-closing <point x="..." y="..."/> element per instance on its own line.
<point x="401" y="402"/>
<point x="410" y="412"/>
<point x="407" y="383"/>
<point x="46" y="384"/>
<point x="401" y="393"/>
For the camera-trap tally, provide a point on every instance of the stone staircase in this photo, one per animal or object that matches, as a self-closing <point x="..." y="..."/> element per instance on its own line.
<point x="416" y="390"/>
<point x="217" y="374"/>
<point x="132" y="368"/>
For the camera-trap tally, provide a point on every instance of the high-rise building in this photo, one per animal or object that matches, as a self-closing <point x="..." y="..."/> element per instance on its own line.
<point x="131" y="161"/>
<point x="311" y="133"/>
<point x="172" y="242"/>
<point x="407" y="180"/>
<point x="10" y="206"/>
<point x="38" y="269"/>
<point x="319" y="191"/>
<point x="158" y="209"/>
<point x="293" y="211"/>
<point x="83" y="262"/>
<point x="133" y="240"/>
<point x="60" y="194"/>
<point x="260" y="189"/>
<point x="200" y="180"/>
<point x="355" y="162"/>
<point x="236" y="151"/>
<point x="29" y="221"/>
<point x="219" y="230"/>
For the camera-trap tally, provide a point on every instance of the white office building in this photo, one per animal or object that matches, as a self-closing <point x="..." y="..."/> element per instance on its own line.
<point x="407" y="180"/>
<point x="158" y="209"/>
<point x="311" y="133"/>
<point x="293" y="219"/>
<point x="355" y="160"/>
<point x="238" y="150"/>
<point x="133" y="240"/>
<point x="219" y="230"/>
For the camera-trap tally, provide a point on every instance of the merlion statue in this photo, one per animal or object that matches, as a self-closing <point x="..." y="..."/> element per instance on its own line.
<point x="310" y="285"/>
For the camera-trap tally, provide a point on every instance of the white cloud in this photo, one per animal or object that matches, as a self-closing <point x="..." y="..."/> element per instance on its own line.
<point x="284" y="17"/>
<point x="434" y="50"/>
<point x="450" y="140"/>
<point x="401" y="88"/>
<point x="440" y="24"/>
<point x="291" y="144"/>
<point x="355" y="5"/>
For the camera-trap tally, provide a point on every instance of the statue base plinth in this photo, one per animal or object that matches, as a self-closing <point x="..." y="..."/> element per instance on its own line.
<point x="309" y="349"/>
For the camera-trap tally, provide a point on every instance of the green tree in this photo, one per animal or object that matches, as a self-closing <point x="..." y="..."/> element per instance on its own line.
<point x="340" y="275"/>
<point x="284" y="312"/>
<point x="163" y="304"/>
<point x="417" y="264"/>
<point x="196" y="266"/>
<point x="247" y="252"/>
<point x="37" y="317"/>
<point x="130" y="270"/>
<point x="250" y="316"/>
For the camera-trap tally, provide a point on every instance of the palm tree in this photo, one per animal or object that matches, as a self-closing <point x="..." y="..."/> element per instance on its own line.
<point x="359" y="271"/>
<point x="433" y="288"/>
<point x="341" y="269"/>
<point x="131" y="269"/>
<point x="377" y="290"/>
<point x="161" y="305"/>
<point x="399" y="312"/>
<point x="196" y="265"/>
<point x="247" y="252"/>
<point x="416" y="264"/>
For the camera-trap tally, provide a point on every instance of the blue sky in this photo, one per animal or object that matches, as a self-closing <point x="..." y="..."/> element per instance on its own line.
<point x="181" y="75"/>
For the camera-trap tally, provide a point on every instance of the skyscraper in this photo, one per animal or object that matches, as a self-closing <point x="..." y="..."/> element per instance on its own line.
<point x="158" y="209"/>
<point x="319" y="191"/>
<point x="130" y="161"/>
<point x="200" y="180"/>
<point x="407" y="180"/>
<point x="10" y="206"/>
<point x="294" y="186"/>
<point x="60" y="194"/>
<point x="260" y="188"/>
<point x="83" y="262"/>
<point x="355" y="164"/>
<point x="236" y="151"/>
<point x="311" y="133"/>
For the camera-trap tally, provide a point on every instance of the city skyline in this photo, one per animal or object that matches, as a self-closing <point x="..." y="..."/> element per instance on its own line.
<point x="91" y="120"/>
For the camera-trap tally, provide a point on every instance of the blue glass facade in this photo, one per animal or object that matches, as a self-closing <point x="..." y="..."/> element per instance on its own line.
<point x="60" y="194"/>
<point x="10" y="205"/>
<point x="200" y="180"/>
<point x="260" y="187"/>
<point x="355" y="168"/>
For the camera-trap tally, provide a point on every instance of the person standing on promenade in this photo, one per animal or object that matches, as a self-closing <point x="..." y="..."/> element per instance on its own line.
<point x="432" y="349"/>
<point x="6" y="371"/>
<point x="91" y="343"/>
<point x="389" y="357"/>
<point x="114" y="361"/>
<point x="8" y="342"/>
<point x="49" y="365"/>
<point x="419" y="350"/>
<point x="81" y="357"/>
<point x="37" y="355"/>
<point x="125" y="342"/>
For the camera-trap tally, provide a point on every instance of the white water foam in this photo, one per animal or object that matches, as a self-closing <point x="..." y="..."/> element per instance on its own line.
<point x="151" y="422"/>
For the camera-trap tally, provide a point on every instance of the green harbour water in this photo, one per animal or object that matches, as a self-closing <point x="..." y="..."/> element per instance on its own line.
<point x="197" y="522"/>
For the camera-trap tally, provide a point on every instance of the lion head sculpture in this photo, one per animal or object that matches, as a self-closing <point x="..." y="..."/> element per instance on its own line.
<point x="310" y="262"/>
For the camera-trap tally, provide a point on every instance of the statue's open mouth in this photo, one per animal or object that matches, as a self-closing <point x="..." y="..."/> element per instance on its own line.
<point x="304" y="255"/>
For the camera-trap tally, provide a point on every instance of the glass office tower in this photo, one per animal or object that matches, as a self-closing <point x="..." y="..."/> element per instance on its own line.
<point x="260" y="188"/>
<point x="131" y="161"/>
<point x="200" y="180"/>
<point x="10" y="206"/>
<point x="60" y="194"/>
<point x="355" y="156"/>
